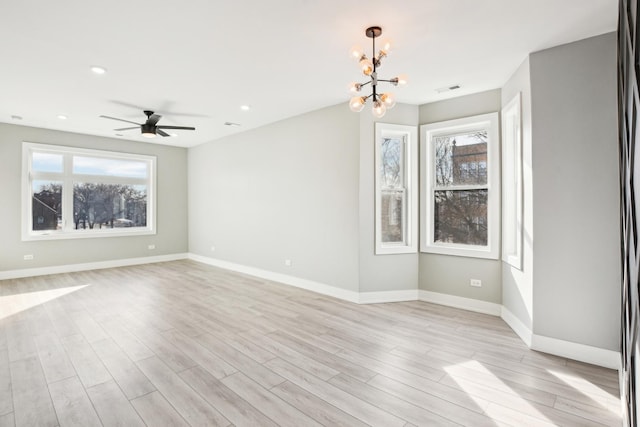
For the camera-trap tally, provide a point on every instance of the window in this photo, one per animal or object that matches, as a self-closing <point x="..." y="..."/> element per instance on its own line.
<point x="512" y="183"/>
<point x="396" y="189"/>
<point x="460" y="181"/>
<point x="72" y="192"/>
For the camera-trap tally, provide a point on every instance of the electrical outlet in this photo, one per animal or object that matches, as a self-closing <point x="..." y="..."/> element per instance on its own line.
<point x="28" y="257"/>
<point x="476" y="283"/>
<point x="287" y="262"/>
<point x="151" y="247"/>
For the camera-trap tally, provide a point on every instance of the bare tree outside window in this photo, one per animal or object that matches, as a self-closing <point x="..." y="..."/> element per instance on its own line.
<point x="46" y="208"/>
<point x="99" y="205"/>
<point x="393" y="192"/>
<point x="78" y="192"/>
<point x="396" y="189"/>
<point x="460" y="202"/>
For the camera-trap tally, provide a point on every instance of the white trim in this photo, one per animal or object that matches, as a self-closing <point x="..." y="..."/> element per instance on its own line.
<point x="516" y="324"/>
<point x="67" y="178"/>
<point x="512" y="183"/>
<point x="584" y="353"/>
<point x="321" y="288"/>
<point x="310" y="285"/>
<point x="388" y="296"/>
<point x="410" y="173"/>
<point x="470" y="304"/>
<point x="488" y="122"/>
<point x="581" y="352"/>
<point x="571" y="350"/>
<point x="70" y="268"/>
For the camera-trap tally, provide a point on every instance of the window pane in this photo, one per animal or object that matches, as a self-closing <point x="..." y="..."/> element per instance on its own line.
<point x="461" y="159"/>
<point x="392" y="166"/>
<point x="97" y="205"/>
<point x="392" y="216"/>
<point x="461" y="217"/>
<point x="46" y="162"/>
<point x="109" y="167"/>
<point x="46" y="207"/>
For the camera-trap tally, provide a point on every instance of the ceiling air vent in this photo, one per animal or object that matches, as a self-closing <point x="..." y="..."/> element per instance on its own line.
<point x="447" y="88"/>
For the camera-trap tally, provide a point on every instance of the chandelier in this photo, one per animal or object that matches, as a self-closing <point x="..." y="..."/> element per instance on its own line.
<point x="380" y="101"/>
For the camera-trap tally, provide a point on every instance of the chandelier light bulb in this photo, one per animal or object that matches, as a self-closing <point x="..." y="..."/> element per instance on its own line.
<point x="354" y="87"/>
<point x="366" y="66"/>
<point x="356" y="104"/>
<point x="402" y="79"/>
<point x="378" y="109"/>
<point x="356" y="52"/>
<point x="388" y="99"/>
<point x="386" y="46"/>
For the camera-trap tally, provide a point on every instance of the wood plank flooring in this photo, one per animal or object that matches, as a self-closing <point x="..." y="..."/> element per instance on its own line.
<point x="182" y="343"/>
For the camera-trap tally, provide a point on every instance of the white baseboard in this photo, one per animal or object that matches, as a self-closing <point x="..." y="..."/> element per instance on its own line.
<point x="460" y="302"/>
<point x="388" y="296"/>
<point x="571" y="350"/>
<point x="309" y="285"/>
<point x="69" y="268"/>
<point x="581" y="352"/>
<point x="321" y="288"/>
<point x="518" y="327"/>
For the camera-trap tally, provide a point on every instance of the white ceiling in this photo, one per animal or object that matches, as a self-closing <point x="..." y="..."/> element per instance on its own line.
<point x="197" y="61"/>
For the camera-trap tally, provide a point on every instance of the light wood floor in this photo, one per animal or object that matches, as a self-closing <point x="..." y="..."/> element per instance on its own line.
<point x="182" y="343"/>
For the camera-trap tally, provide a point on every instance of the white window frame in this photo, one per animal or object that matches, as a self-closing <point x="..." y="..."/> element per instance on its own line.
<point x="488" y="122"/>
<point x="410" y="172"/>
<point x="67" y="177"/>
<point x="512" y="206"/>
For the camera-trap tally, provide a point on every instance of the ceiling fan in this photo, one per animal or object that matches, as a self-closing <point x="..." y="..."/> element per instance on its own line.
<point x="149" y="128"/>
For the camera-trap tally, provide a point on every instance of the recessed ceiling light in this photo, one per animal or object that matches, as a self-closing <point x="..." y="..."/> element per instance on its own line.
<point x="173" y="134"/>
<point x="62" y="117"/>
<point x="245" y="107"/>
<point x="231" y="124"/>
<point x="98" y="70"/>
<point x="16" y="117"/>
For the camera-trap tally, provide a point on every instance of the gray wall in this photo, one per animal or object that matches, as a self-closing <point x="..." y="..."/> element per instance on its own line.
<point x="171" y="197"/>
<point x="381" y="272"/>
<point x="576" y="193"/>
<point x="288" y="190"/>
<point x="451" y="274"/>
<point x="517" y="284"/>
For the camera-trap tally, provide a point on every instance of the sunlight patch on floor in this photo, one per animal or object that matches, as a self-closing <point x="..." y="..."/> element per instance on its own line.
<point x="520" y="411"/>
<point x="13" y="304"/>
<point x="595" y="393"/>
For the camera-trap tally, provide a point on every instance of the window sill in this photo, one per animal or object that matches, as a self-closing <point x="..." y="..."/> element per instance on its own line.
<point x="462" y="251"/>
<point x="395" y="250"/>
<point x="65" y="235"/>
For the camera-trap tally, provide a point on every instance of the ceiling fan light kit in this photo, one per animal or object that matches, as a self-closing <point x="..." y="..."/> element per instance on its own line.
<point x="380" y="101"/>
<point x="150" y="128"/>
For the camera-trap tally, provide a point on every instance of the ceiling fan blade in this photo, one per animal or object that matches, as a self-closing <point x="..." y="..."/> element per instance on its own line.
<point x="137" y="127"/>
<point x="121" y="120"/>
<point x="153" y="119"/>
<point x="176" y="127"/>
<point x="161" y="132"/>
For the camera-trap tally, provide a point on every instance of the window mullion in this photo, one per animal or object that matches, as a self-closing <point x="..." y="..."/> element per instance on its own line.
<point x="102" y="179"/>
<point x="460" y="187"/>
<point x="111" y="201"/>
<point x="459" y="179"/>
<point x="395" y="189"/>
<point x="67" y="193"/>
